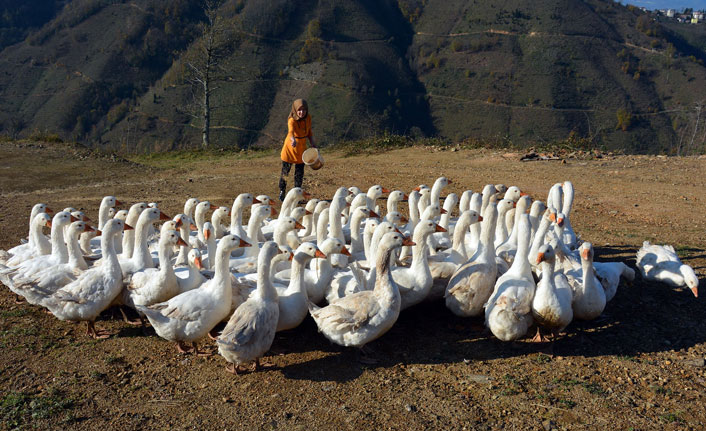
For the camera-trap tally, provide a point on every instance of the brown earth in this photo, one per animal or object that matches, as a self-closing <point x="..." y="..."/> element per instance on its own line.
<point x="640" y="366"/>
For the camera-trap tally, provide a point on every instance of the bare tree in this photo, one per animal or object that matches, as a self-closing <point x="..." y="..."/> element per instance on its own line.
<point x="204" y="62"/>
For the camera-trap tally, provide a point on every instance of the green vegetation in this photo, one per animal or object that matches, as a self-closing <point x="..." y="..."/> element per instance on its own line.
<point x="20" y="408"/>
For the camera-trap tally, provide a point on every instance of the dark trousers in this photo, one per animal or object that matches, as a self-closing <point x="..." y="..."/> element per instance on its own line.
<point x="298" y="177"/>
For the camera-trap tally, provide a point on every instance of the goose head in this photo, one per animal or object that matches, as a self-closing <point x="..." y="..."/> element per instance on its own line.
<point x="189" y="206"/>
<point x="586" y="251"/>
<point x="120" y="215"/>
<point x="307" y="251"/>
<point x="546" y="254"/>
<point x="229" y="243"/>
<point x="333" y="245"/>
<point x="78" y="227"/>
<point x="42" y="219"/>
<point x="194" y="258"/>
<point x="134" y="213"/>
<point x="41" y="208"/>
<point x="513" y="193"/>
<point x="690" y="278"/>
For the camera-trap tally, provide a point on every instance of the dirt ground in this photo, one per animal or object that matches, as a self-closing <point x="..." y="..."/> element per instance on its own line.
<point x="639" y="366"/>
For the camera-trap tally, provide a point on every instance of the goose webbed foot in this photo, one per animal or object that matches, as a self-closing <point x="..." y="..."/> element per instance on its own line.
<point x="199" y="352"/>
<point x="96" y="334"/>
<point x="539" y="337"/>
<point x="19" y="300"/>
<point x="139" y="322"/>
<point x="182" y="348"/>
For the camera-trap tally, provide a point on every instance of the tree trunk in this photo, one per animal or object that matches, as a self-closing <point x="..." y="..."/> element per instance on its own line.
<point x="205" y="132"/>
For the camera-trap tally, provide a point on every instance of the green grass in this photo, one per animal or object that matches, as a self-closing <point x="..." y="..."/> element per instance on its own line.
<point x="671" y="417"/>
<point x="173" y="159"/>
<point x="21" y="408"/>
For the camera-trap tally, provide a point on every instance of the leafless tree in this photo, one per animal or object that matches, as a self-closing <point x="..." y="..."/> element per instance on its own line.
<point x="205" y="68"/>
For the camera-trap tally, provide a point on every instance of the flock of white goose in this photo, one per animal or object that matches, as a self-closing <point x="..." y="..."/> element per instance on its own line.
<point x="516" y="261"/>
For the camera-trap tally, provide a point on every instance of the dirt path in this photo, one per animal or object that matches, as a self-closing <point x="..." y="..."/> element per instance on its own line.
<point x="640" y="366"/>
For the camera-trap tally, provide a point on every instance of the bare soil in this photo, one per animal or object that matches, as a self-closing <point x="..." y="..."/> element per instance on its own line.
<point x="640" y="366"/>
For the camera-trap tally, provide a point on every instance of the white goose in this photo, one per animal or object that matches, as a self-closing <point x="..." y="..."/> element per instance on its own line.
<point x="94" y="291"/>
<point x="472" y="284"/>
<point x="218" y="218"/>
<point x="661" y="263"/>
<point x="589" y="296"/>
<point x="38" y="243"/>
<point x="293" y="301"/>
<point x="569" y="237"/>
<point x="362" y="317"/>
<point x="59" y="251"/>
<point x="415" y="282"/>
<point x="191" y="315"/>
<point x="445" y="263"/>
<point x="152" y="285"/>
<point x="551" y="306"/>
<point x="52" y="278"/>
<point x="129" y="236"/>
<point x="251" y="329"/>
<point x="236" y="213"/>
<point x="610" y="273"/>
<point x="190" y="278"/>
<point x="508" y="312"/>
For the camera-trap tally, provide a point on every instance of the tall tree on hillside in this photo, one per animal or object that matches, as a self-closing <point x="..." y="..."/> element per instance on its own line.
<point x="204" y="63"/>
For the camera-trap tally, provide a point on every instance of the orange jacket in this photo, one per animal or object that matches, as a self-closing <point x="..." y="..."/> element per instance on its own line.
<point x="300" y="130"/>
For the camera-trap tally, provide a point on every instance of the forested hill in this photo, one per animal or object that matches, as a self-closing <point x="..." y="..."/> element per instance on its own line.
<point x="122" y="75"/>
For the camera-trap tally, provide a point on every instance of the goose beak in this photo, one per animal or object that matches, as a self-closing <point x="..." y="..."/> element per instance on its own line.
<point x="207" y="234"/>
<point x="448" y="181"/>
<point x="163" y="216"/>
<point x="73" y="219"/>
<point x="243" y="243"/>
<point x="128" y="227"/>
<point x="408" y="242"/>
<point x="306" y="194"/>
<point x="523" y="194"/>
<point x="212" y="207"/>
<point x="320" y="254"/>
<point x="198" y="262"/>
<point x="48" y="210"/>
<point x="179" y="222"/>
<point x="405" y="196"/>
<point x="348" y="204"/>
<point x="560" y="222"/>
<point x="273" y="211"/>
<point x="552" y="217"/>
<point x="384" y="190"/>
<point x="443" y="211"/>
<point x="439" y="228"/>
<point x="540" y="257"/>
<point x="373" y="214"/>
<point x="49" y="223"/>
<point x="307" y="212"/>
<point x="344" y="251"/>
<point x="193" y="227"/>
<point x="291" y="256"/>
<point x="695" y="291"/>
<point x="256" y="201"/>
<point x="182" y="243"/>
<point x="514" y="204"/>
<point x="298" y="225"/>
<point x="584" y="253"/>
<point x="480" y="218"/>
<point x="403" y="219"/>
<point x="86" y="219"/>
<point x="99" y="232"/>
<point x="88" y="228"/>
<point x="118" y="203"/>
<point x="416" y="189"/>
<point x="398" y="231"/>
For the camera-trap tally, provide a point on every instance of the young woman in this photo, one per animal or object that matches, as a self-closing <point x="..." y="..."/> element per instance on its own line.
<point x="299" y="130"/>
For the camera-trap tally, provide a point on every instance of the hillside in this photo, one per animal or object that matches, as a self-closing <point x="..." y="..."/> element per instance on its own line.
<point x="115" y="74"/>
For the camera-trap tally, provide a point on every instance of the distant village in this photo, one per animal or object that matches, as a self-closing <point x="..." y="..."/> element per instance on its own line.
<point x="687" y="16"/>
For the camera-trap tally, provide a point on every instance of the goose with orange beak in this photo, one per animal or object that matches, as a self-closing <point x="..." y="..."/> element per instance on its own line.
<point x="356" y="320"/>
<point x="86" y="297"/>
<point x="191" y="315"/>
